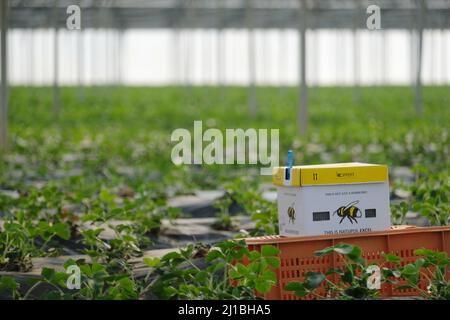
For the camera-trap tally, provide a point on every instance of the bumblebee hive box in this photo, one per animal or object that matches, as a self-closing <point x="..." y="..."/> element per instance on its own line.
<point x="332" y="199"/>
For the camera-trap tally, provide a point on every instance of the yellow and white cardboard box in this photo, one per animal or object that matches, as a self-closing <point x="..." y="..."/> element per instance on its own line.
<point x="332" y="199"/>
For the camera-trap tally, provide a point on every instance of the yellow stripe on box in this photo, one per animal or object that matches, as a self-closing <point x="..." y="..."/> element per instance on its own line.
<point x="337" y="173"/>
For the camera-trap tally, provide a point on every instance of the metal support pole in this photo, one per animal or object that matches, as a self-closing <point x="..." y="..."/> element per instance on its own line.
<point x="315" y="56"/>
<point x="412" y="56"/>
<point x="4" y="75"/>
<point x="252" y="102"/>
<point x="263" y="50"/>
<point x="176" y="66"/>
<point x="104" y="33"/>
<point x="281" y="58"/>
<point x="120" y="49"/>
<point x="432" y="48"/>
<point x="339" y="56"/>
<point x="419" y="50"/>
<point x="31" y="65"/>
<point x="356" y="66"/>
<point x="176" y="47"/>
<point x="303" y="90"/>
<point x="56" y="97"/>
<point x="189" y="50"/>
<point x="418" y="89"/>
<point x="384" y="56"/>
<point x="444" y="79"/>
<point x="80" y="64"/>
<point x="220" y="50"/>
<point x="93" y="49"/>
<point x="282" y="62"/>
<point x="31" y="57"/>
<point x="118" y="45"/>
<point x="220" y="60"/>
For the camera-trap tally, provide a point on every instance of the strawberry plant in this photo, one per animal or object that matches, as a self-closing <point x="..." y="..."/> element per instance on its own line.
<point x="9" y="284"/>
<point x="180" y="276"/>
<point x="353" y="278"/>
<point x="262" y="211"/>
<point x="95" y="284"/>
<point x="431" y="192"/>
<point x="22" y="239"/>
<point x="433" y="267"/>
<point x="224" y="221"/>
<point x="16" y="247"/>
<point x="114" y="253"/>
<point x="398" y="212"/>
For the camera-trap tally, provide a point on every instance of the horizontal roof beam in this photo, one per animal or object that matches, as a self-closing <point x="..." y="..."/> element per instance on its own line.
<point x="212" y="18"/>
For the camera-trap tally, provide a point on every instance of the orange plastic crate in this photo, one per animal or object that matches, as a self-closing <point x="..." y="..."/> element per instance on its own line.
<point x="297" y="253"/>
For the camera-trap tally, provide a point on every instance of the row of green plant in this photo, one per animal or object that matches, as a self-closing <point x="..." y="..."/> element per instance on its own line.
<point x="197" y="272"/>
<point x="105" y="161"/>
<point x="428" y="195"/>
<point x="194" y="272"/>
<point x="429" y="275"/>
<point x="119" y="140"/>
<point x="122" y="137"/>
<point x="42" y="223"/>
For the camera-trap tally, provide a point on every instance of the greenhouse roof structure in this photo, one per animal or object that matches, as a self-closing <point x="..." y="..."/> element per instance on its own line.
<point x="176" y="15"/>
<point x="217" y="14"/>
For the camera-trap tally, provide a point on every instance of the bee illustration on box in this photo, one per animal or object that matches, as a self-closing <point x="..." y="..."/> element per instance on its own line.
<point x="349" y="211"/>
<point x="291" y="213"/>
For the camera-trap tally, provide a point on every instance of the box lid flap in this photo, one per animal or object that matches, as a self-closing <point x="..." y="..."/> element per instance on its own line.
<point x="335" y="173"/>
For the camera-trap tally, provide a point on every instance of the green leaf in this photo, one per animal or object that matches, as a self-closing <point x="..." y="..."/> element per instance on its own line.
<point x="201" y="276"/>
<point x="341" y="248"/>
<point x="254" y="255"/>
<point x="409" y="269"/>
<point x="298" y="288"/>
<point x="396" y="273"/>
<point x="61" y="278"/>
<point x="262" y="286"/>
<point x="273" y="262"/>
<point x="356" y="292"/>
<point x="170" y="291"/>
<point x="347" y="276"/>
<point x="334" y="271"/>
<point x="106" y="196"/>
<point x="293" y="286"/>
<point x="97" y="267"/>
<point x="32" y="281"/>
<point x="62" y="230"/>
<point x="48" y="273"/>
<point x="419" y="263"/>
<point x="313" y="280"/>
<point x="214" y="253"/>
<point x="9" y="283"/>
<point x="237" y="254"/>
<point x="69" y="263"/>
<point x="218" y="267"/>
<point x="269" y="275"/>
<point x="268" y="250"/>
<point x="355" y="254"/>
<point x="234" y="274"/>
<point x="152" y="262"/>
<point x="126" y="284"/>
<point x="423" y="252"/>
<point x="171" y="256"/>
<point x="392" y="258"/>
<point x="86" y="269"/>
<point x="243" y="270"/>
